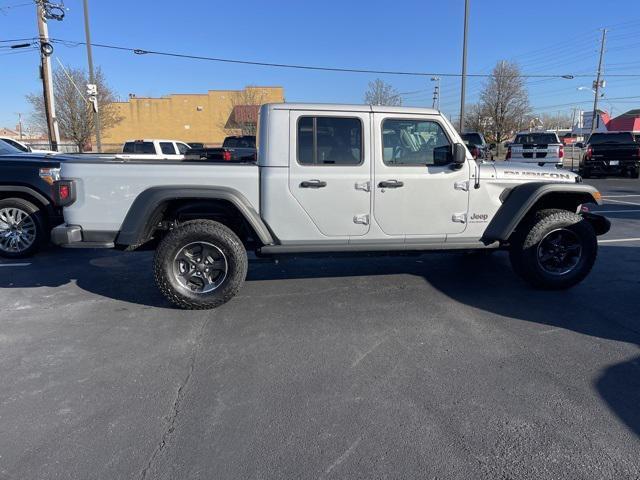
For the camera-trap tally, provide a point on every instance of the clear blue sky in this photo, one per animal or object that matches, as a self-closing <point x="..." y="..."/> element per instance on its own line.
<point x="416" y="35"/>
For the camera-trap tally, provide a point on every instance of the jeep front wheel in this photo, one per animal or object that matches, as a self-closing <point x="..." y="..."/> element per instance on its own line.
<point x="555" y="251"/>
<point x="200" y="264"/>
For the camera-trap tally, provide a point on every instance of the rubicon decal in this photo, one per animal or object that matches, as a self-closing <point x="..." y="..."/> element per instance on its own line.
<point x="559" y="176"/>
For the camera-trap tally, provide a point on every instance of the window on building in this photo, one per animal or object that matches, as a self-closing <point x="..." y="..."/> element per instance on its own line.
<point x="330" y="141"/>
<point x="167" y="148"/>
<point x="415" y="142"/>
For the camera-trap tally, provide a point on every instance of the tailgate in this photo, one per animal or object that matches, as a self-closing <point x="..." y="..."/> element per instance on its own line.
<point x="536" y="150"/>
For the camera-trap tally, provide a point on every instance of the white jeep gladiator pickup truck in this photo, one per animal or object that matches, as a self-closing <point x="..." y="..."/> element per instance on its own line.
<point x="330" y="178"/>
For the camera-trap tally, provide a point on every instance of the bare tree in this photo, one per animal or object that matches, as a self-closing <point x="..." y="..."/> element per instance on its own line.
<point x="382" y="93"/>
<point x="505" y="101"/>
<point x="244" y="107"/>
<point x="550" y="121"/>
<point x="477" y="120"/>
<point x="75" y="115"/>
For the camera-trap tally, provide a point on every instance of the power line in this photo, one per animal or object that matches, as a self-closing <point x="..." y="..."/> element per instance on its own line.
<point x="139" y="51"/>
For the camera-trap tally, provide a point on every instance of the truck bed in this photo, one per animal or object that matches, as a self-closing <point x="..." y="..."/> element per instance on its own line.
<point x="106" y="187"/>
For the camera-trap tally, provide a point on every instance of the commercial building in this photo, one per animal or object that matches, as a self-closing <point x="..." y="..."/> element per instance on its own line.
<point x="206" y="117"/>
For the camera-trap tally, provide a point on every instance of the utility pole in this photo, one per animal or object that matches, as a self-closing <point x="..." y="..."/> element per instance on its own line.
<point x="598" y="82"/>
<point x="436" y="93"/>
<point x="92" y="80"/>
<point x="20" y="124"/>
<point x="47" y="81"/>
<point x="464" y="64"/>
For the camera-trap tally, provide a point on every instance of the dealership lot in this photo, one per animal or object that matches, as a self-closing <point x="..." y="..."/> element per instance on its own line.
<point x="432" y="366"/>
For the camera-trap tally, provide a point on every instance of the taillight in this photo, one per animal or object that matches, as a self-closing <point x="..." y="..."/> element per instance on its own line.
<point x="508" y="154"/>
<point x="589" y="153"/>
<point x="561" y="152"/>
<point x="64" y="193"/>
<point x="226" y="156"/>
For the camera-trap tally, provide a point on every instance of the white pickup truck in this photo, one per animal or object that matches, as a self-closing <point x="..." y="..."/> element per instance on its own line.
<point x="539" y="148"/>
<point x="154" y="149"/>
<point x="330" y="178"/>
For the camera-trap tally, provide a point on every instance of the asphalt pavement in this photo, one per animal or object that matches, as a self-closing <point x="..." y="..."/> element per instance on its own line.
<point x="439" y="366"/>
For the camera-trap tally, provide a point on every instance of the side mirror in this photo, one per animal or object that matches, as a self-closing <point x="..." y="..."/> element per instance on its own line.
<point x="459" y="154"/>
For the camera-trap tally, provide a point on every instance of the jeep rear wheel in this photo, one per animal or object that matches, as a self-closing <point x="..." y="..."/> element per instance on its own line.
<point x="556" y="250"/>
<point x="200" y="264"/>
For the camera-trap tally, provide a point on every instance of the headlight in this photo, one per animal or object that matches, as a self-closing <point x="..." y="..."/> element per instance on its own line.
<point x="50" y="175"/>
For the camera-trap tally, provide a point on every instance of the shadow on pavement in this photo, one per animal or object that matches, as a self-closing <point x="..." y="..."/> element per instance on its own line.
<point x="606" y="306"/>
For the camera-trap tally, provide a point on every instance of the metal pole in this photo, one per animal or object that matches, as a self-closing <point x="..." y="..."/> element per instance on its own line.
<point x="464" y="64"/>
<point x="92" y="79"/>
<point x="47" y="81"/>
<point x="597" y="86"/>
<point x="20" y="124"/>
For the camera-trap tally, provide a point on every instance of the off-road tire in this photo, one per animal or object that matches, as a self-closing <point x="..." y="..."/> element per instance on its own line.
<point x="200" y="231"/>
<point x="524" y="249"/>
<point x="39" y="220"/>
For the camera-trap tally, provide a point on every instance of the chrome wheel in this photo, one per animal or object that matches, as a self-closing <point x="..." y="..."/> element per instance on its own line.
<point x="17" y="230"/>
<point x="559" y="251"/>
<point x="200" y="267"/>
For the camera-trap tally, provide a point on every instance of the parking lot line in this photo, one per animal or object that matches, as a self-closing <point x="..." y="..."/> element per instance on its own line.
<point x="14" y="264"/>
<point x="616" y="211"/>
<point x="618" y="240"/>
<point x="623" y="202"/>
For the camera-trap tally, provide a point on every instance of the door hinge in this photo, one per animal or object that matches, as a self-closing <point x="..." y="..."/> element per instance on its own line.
<point x="364" y="186"/>
<point x="459" y="217"/>
<point x="361" y="219"/>
<point x="462" y="186"/>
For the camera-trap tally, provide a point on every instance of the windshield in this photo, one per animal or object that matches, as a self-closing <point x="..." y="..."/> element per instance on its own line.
<point x="600" y="138"/>
<point x="473" y="138"/>
<point x="536" y="138"/>
<point x="6" y="149"/>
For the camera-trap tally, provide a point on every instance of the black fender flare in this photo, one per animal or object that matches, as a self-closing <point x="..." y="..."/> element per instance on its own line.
<point x="520" y="200"/>
<point x="141" y="212"/>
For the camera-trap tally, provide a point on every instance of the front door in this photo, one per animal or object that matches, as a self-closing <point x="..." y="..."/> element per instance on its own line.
<point x="330" y="170"/>
<point x="417" y="190"/>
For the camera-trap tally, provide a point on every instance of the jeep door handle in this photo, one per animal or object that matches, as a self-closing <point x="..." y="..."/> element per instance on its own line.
<point x="391" y="184"/>
<point x="313" y="184"/>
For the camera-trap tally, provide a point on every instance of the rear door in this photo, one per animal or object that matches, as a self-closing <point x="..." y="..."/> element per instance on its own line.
<point x="330" y="170"/>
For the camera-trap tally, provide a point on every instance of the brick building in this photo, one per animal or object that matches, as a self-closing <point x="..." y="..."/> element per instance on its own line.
<point x="205" y="117"/>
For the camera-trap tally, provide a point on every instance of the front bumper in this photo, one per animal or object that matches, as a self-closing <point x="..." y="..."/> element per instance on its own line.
<point x="72" y="236"/>
<point x="600" y="224"/>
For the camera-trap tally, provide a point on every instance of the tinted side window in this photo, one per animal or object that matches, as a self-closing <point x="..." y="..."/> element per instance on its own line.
<point x="167" y="148"/>
<point x="415" y="142"/>
<point x="128" y="147"/>
<point x="146" y="148"/>
<point x="182" y="148"/>
<point x="329" y="141"/>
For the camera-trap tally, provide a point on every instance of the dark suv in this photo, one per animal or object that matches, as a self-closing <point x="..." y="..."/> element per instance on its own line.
<point x="477" y="145"/>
